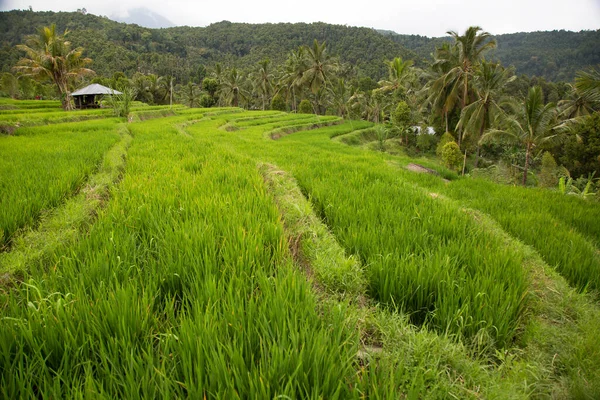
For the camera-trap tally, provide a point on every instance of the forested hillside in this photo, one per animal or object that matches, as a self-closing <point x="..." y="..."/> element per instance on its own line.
<point x="555" y="56"/>
<point x="179" y="51"/>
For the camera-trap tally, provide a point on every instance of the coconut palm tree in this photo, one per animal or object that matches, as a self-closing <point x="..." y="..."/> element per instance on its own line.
<point x="340" y="95"/>
<point x="588" y="84"/>
<point x="292" y="77"/>
<point x="584" y="97"/>
<point x="232" y="88"/>
<point x="320" y="70"/>
<point x="262" y="81"/>
<point x="470" y="48"/>
<point x="477" y="117"/>
<point x="191" y="94"/>
<point x="399" y="75"/>
<point x="531" y="125"/>
<point x="49" y="56"/>
<point x="443" y="94"/>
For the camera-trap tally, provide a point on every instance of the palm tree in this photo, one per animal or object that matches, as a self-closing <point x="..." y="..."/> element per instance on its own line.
<point x="141" y="87"/>
<point x="470" y="48"/>
<point x="292" y="78"/>
<point x="531" y="125"/>
<point x="476" y="118"/>
<point x="340" y="97"/>
<point x="400" y="73"/>
<point x="588" y="84"/>
<point x="157" y="87"/>
<point x="263" y="81"/>
<point x="443" y="94"/>
<point x="191" y="95"/>
<point x="320" y="70"/>
<point x="49" y="56"/>
<point x="232" y="88"/>
<point x="584" y="98"/>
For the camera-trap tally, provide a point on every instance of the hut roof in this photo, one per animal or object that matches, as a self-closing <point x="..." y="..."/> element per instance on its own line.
<point x="95" y="88"/>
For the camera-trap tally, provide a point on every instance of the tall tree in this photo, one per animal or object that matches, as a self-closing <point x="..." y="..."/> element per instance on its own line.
<point x="584" y="98"/>
<point x="531" y="125"/>
<point x="320" y="70"/>
<point x="477" y="117"/>
<point x="292" y="78"/>
<point x="49" y="55"/>
<point x="232" y="88"/>
<point x="442" y="94"/>
<point x="262" y="81"/>
<point x="399" y="74"/>
<point x="340" y="95"/>
<point x="470" y="48"/>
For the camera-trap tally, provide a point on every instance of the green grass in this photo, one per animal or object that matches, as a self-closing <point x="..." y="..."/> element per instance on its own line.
<point x="65" y="223"/>
<point x="211" y="273"/>
<point x="431" y="268"/>
<point x="41" y="167"/>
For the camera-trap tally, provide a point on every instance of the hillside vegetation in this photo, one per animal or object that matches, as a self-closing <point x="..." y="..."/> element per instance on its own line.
<point x="555" y="56"/>
<point x="117" y="47"/>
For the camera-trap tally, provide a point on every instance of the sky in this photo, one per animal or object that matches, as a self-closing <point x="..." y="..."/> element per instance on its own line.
<point x="422" y="17"/>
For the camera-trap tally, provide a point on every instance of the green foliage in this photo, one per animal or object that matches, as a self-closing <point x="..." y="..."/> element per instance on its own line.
<point x="452" y="156"/>
<point x="554" y="55"/>
<point x="425" y="142"/>
<point x="401" y="117"/>
<point x="305" y="107"/>
<point x="549" y="174"/>
<point x="49" y="56"/>
<point x="206" y="101"/>
<point x="446" y="138"/>
<point x="382" y="133"/>
<point x="278" y="103"/>
<point x="121" y="103"/>
<point x="581" y="152"/>
<point x="181" y="50"/>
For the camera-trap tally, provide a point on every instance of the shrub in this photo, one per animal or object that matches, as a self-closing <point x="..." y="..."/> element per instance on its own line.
<point x="548" y="176"/>
<point x="278" y="104"/>
<point x="425" y="141"/>
<point x="451" y="156"/>
<point x="206" y="101"/>
<point x="305" y="107"/>
<point x="446" y="138"/>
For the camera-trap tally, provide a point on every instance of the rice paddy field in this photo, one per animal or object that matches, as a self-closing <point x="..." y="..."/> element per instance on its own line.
<point x="223" y="253"/>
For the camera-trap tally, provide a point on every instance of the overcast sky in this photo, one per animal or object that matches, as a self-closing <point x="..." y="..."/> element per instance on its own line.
<point x="423" y="17"/>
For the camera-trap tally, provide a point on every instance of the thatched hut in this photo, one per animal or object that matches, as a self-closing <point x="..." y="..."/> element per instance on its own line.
<point x="86" y="97"/>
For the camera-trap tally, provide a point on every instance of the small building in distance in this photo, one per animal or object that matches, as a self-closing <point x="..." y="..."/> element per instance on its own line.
<point x="86" y="97"/>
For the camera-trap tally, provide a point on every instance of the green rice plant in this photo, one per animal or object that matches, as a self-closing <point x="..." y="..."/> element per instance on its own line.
<point x="416" y="263"/>
<point x="40" y="167"/>
<point x="563" y="229"/>
<point x="183" y="287"/>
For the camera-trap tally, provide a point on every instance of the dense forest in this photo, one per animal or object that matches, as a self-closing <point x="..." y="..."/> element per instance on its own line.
<point x="179" y="51"/>
<point x="555" y="56"/>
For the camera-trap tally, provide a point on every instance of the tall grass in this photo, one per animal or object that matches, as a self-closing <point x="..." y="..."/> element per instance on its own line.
<point x="182" y="288"/>
<point x="42" y="166"/>
<point x="424" y="256"/>
<point x="185" y="287"/>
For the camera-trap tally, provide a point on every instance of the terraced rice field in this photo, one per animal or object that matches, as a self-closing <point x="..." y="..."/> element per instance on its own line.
<point x="248" y="255"/>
